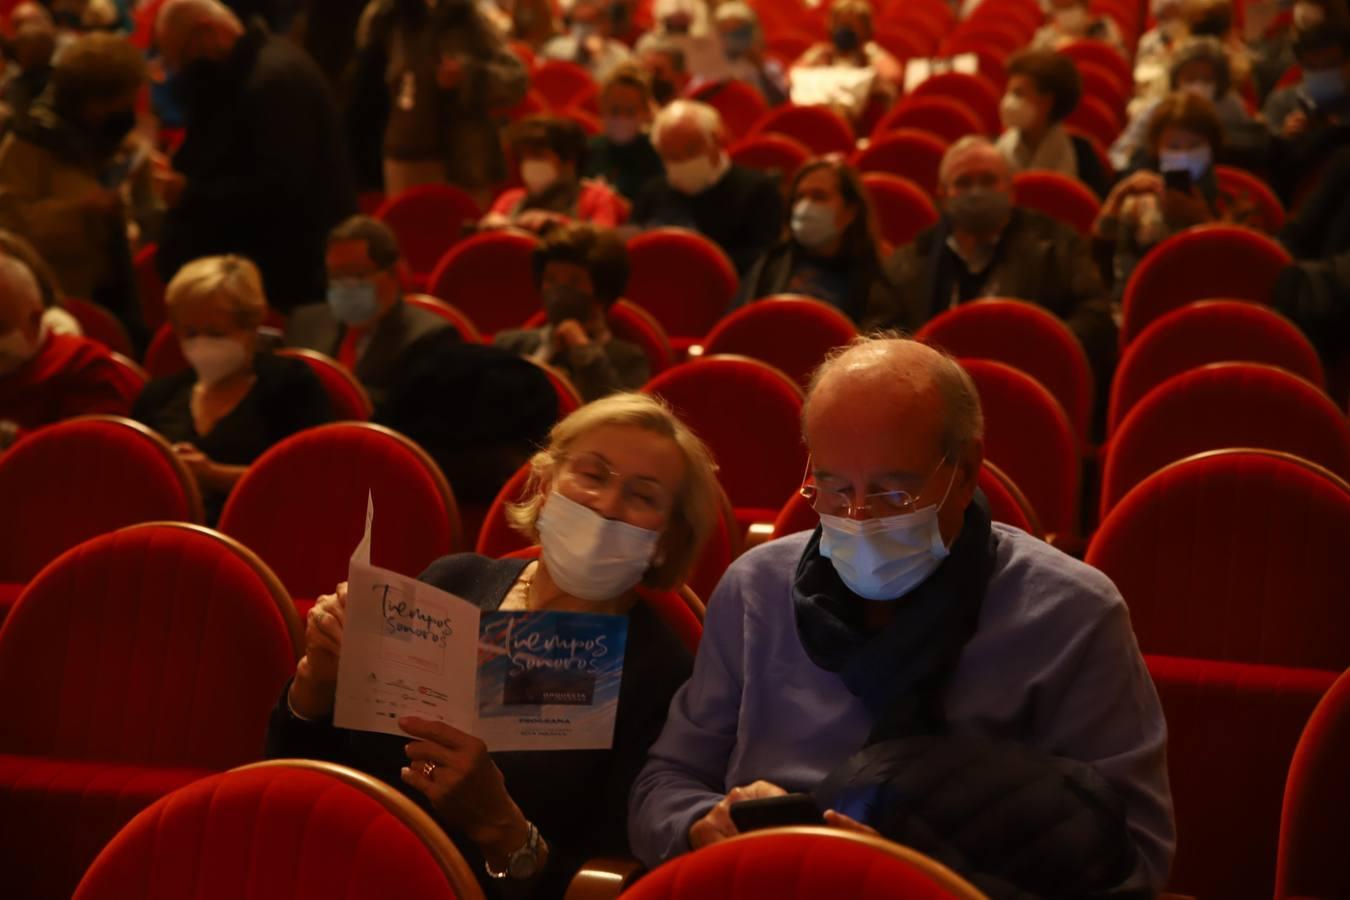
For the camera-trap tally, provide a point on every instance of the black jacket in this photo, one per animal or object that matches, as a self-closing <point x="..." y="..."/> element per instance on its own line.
<point x="267" y="170"/>
<point x="773" y="274"/>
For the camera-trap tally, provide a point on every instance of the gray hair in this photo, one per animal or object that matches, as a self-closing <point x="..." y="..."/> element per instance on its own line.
<point x="962" y="145"/>
<point x="963" y="417"/>
<point x="708" y="120"/>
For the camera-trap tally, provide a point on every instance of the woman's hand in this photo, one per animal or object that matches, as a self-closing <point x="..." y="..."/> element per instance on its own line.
<point x="465" y="787"/>
<point x="1182" y="209"/>
<point x="315" y="685"/>
<point x="836" y="819"/>
<point x="1139" y="183"/>
<point x="717" y="825"/>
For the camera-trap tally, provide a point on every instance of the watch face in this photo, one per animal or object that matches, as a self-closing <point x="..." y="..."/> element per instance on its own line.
<point x="524" y="863"/>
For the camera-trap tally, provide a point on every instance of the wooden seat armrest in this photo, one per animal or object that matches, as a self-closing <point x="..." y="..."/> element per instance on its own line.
<point x="603" y="878"/>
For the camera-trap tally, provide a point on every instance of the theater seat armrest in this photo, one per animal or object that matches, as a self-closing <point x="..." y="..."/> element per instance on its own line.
<point x="758" y="533"/>
<point x="1072" y="544"/>
<point x="603" y="878"/>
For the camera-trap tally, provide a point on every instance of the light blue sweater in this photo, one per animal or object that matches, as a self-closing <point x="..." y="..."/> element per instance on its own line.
<point x="1053" y="663"/>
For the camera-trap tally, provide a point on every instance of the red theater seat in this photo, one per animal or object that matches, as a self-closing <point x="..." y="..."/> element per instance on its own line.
<point x="1236" y="555"/>
<point x="1101" y="53"/>
<point x="683" y="279"/>
<point x="1059" y="197"/>
<point x="467" y="328"/>
<point x="801" y="862"/>
<point x="346" y="395"/>
<point x="972" y="90"/>
<point x="821" y="129"/>
<point x="903" y="208"/>
<point x="99" y="325"/>
<point x="489" y="276"/>
<point x="634" y="324"/>
<point x="302" y="505"/>
<point x="740" y="105"/>
<point x="1208" y="331"/>
<point x="776" y="154"/>
<point x="429" y="219"/>
<point x="133" y="664"/>
<point x="561" y="83"/>
<point x="1218" y="406"/>
<point x="164" y="356"/>
<point x="1248" y="188"/>
<point x="790" y="333"/>
<point x="908" y="152"/>
<point x="292" y="829"/>
<point x="1095" y="118"/>
<point x="945" y="117"/>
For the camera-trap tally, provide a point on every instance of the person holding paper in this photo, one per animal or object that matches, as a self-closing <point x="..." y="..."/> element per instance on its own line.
<point x="851" y="47"/>
<point x="623" y="495"/>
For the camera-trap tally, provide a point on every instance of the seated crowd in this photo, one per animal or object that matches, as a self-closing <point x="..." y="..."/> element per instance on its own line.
<point x="210" y="148"/>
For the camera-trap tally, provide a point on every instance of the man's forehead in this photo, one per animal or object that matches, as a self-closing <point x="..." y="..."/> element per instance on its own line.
<point x="976" y="161"/>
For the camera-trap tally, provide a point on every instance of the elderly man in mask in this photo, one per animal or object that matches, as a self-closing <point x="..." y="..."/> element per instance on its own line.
<point x="984" y="246"/>
<point x="738" y="209"/>
<point x="909" y="627"/>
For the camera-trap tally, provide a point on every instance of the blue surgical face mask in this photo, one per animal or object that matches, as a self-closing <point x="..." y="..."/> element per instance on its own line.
<point x="813" y="224"/>
<point x="353" y="301"/>
<point x="1324" y="86"/>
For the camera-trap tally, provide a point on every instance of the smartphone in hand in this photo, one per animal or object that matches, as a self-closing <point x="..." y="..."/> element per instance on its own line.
<point x="1177" y="180"/>
<point x="775" y="812"/>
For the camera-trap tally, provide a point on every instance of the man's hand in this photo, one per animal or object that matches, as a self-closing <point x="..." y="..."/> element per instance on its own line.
<point x="569" y="334"/>
<point x="1295" y="124"/>
<point x="717" y="825"/>
<point x="836" y="819"/>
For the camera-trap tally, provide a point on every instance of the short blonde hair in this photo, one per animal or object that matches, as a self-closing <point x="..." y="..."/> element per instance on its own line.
<point x="698" y="502"/>
<point x="231" y="278"/>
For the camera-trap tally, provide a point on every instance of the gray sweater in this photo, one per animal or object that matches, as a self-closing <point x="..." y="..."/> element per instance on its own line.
<point x="1053" y="663"/>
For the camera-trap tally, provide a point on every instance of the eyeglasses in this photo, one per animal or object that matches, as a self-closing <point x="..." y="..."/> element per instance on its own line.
<point x="873" y="506"/>
<point x="590" y="475"/>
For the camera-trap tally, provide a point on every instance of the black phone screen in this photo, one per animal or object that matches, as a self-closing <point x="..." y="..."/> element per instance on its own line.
<point x="773" y="812"/>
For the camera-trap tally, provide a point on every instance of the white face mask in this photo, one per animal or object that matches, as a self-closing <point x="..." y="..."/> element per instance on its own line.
<point x="1016" y="112"/>
<point x="693" y="176"/>
<point x="15" y="350"/>
<point x="214" y="358"/>
<point x="538" y="175"/>
<point x="885" y="559"/>
<point x="591" y="557"/>
<point x="1204" y="89"/>
<point x="1196" y="162"/>
<point x="1308" y="15"/>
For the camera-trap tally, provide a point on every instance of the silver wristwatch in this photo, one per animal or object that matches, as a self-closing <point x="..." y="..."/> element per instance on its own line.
<point x="523" y="864"/>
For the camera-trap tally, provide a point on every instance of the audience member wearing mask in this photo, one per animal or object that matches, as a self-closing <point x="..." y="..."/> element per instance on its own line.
<point x="1272" y="48"/>
<point x="236" y="400"/>
<point x="908" y="620"/>
<point x="30" y="44"/>
<point x="588" y="41"/>
<point x="429" y="76"/>
<point x="622" y="497"/>
<point x="1215" y="18"/>
<point x="581" y="271"/>
<point x="551" y="154"/>
<point x="665" y="64"/>
<point x="1318" y="107"/>
<point x="1153" y="55"/>
<point x="1184" y="135"/>
<point x="1199" y="67"/>
<point x="263" y="171"/>
<point x="738" y="209"/>
<point x="742" y="39"/>
<point x="622" y="154"/>
<point x="1044" y="88"/>
<point x="67" y="172"/>
<point x="365" y="324"/>
<point x="830" y="249"/>
<point x="1073" y="20"/>
<point x="984" y="246"/>
<point x="851" y="45"/>
<point x="46" y="377"/>
<point x="686" y="24"/>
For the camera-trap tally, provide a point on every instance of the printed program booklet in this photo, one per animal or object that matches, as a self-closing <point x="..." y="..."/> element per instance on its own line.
<point x="517" y="680"/>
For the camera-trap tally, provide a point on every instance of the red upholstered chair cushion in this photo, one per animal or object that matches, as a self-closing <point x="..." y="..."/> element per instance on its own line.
<point x="1224" y="405"/>
<point x="1316" y="817"/>
<point x="791" y="333"/>
<point x="164" y="355"/>
<point x="1028" y="436"/>
<point x="972" y="90"/>
<point x="632" y="323"/>
<point x="1208" y="331"/>
<point x="1100" y="82"/>
<point x="740" y="105"/>
<point x="569" y="398"/>
<point x="1101" y="53"/>
<point x="77" y="479"/>
<point x="268" y="833"/>
<point x="489" y="276"/>
<point x="1096" y="119"/>
<point x="748" y="413"/>
<point x="903" y="208"/>
<point x="1231" y="731"/>
<point x="683" y="279"/>
<point x="1197" y="264"/>
<point x="346" y="395"/>
<point x="467" y="327"/>
<point x="302" y="505"/>
<point x="908" y="152"/>
<point x="1057" y="195"/>
<point x="428" y="220"/>
<point x="561" y="82"/>
<point x="1248" y="188"/>
<point x="818" y="127"/>
<point x="1027" y="337"/>
<point x="99" y="325"/>
<point x="776" y="154"/>
<point x="945" y="117"/>
<point x="992" y="32"/>
<point x="1239" y="556"/>
<point x="794" y="866"/>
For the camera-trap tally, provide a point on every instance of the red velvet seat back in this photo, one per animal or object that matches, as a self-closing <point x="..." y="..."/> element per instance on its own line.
<point x="749" y="415"/>
<point x="99" y="325"/>
<point x="972" y="90"/>
<point x="1231" y="731"/>
<point x="157" y="645"/>
<point x="796" y="866"/>
<point x="792" y="334"/>
<point x="1224" y="405"/>
<point x="1234" y="556"/>
<point x="164" y="355"/>
<point x="632" y="323"/>
<point x="1100" y="82"/>
<point x="908" y="152"/>
<point x="739" y="104"/>
<point x="1197" y="264"/>
<point x="274" y="832"/>
<point x="818" y="127"/>
<point x="490" y="277"/>
<point x="1101" y="53"/>
<point x="945" y="117"/>
<point x="302" y="505"/>
<point x="1208" y="331"/>
<point x="1094" y="118"/>
<point x="1028" y="338"/>
<point x="683" y="279"/>
<point x="1316" y="817"/>
<point x="347" y="397"/>
<point x="561" y="82"/>
<point x="1060" y="197"/>
<point x="428" y="220"/>
<point x="1028" y="436"/>
<point x="467" y="327"/>
<point x="69" y="482"/>
<point x="774" y="153"/>
<point x="1248" y="188"/>
<point x="903" y="209"/>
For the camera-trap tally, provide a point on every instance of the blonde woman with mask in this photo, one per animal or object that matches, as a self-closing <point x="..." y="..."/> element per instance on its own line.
<point x="623" y="495"/>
